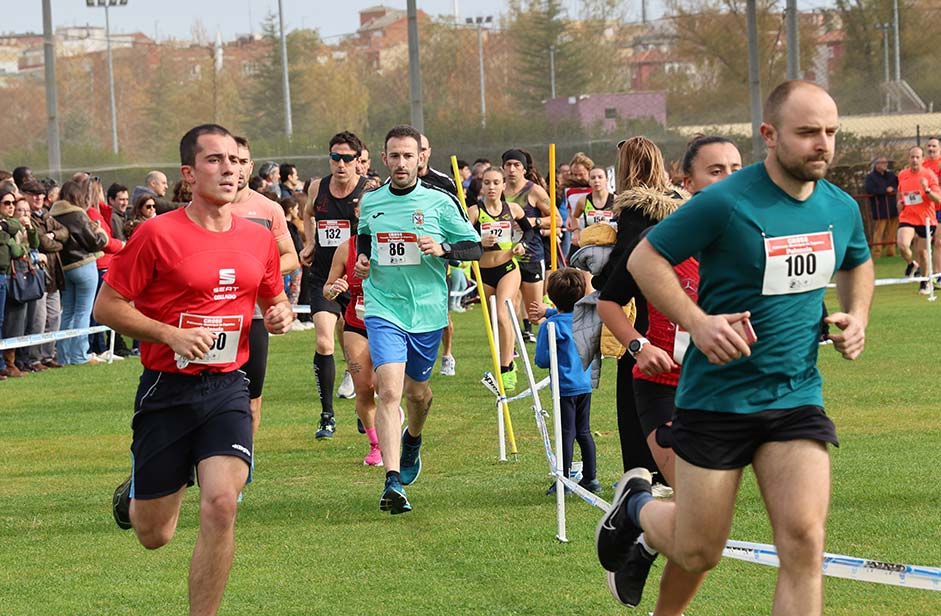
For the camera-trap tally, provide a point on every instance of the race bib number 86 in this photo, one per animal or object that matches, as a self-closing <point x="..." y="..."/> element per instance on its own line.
<point x="798" y="263"/>
<point x="398" y="248"/>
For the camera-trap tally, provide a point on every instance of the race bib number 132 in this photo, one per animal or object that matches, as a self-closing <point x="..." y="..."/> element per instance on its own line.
<point x="798" y="263"/>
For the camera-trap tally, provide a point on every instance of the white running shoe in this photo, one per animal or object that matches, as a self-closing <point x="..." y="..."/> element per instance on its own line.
<point x="447" y="365"/>
<point x="107" y="356"/>
<point x="346" y="389"/>
<point x="297" y="326"/>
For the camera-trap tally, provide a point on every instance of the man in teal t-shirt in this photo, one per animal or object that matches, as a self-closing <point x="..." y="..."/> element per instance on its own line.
<point x="408" y="230"/>
<point x="769" y="238"/>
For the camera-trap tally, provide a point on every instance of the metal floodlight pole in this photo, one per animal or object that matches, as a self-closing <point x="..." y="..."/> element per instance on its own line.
<point x="895" y="31"/>
<point x="552" y="71"/>
<point x="884" y="28"/>
<point x="793" y="41"/>
<point x="54" y="155"/>
<point x="285" y="84"/>
<point x="114" y="110"/>
<point x="480" y="57"/>
<point x="414" y="68"/>
<point x="754" y="79"/>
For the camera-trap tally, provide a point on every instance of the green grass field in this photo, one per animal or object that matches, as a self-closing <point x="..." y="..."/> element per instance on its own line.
<point x="481" y="540"/>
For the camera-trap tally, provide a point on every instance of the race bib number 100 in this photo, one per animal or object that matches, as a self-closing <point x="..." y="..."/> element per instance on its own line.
<point x="332" y="232"/>
<point x="398" y="248"/>
<point x="228" y="331"/>
<point x="798" y="263"/>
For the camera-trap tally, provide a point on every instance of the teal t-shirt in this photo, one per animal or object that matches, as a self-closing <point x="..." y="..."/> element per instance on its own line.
<point x="404" y="286"/>
<point x="763" y="251"/>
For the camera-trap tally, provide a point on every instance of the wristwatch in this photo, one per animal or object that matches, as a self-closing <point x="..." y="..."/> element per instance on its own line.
<point x="446" y="247"/>
<point x="538" y="222"/>
<point x="634" y="346"/>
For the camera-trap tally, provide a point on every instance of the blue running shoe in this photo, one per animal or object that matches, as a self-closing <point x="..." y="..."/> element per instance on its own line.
<point x="410" y="461"/>
<point x="393" y="498"/>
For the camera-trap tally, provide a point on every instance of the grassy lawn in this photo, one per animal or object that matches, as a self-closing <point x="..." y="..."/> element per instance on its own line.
<point x="311" y="540"/>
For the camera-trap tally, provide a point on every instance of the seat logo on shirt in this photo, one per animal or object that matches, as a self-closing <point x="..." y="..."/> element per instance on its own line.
<point x="226" y="276"/>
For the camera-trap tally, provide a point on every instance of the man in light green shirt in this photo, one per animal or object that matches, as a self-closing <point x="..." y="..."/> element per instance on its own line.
<point x="408" y="230"/>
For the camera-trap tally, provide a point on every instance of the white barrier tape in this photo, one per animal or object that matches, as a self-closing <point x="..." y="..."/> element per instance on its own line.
<point x="540" y="385"/>
<point x="884" y="282"/>
<point x="847" y="567"/>
<point x="589" y="497"/>
<point x="301" y="309"/>
<point x="34" y="339"/>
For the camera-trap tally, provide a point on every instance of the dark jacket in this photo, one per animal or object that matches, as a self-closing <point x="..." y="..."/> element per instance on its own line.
<point x="881" y="205"/>
<point x="636" y="209"/>
<point x="51" y="247"/>
<point x="86" y="239"/>
<point x="117" y="225"/>
<point x="10" y="248"/>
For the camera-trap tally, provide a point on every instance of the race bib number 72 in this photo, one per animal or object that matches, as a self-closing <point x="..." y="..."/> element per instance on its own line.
<point x="798" y="263"/>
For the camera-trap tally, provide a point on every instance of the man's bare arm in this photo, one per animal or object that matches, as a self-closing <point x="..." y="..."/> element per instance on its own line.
<point x="854" y="288"/>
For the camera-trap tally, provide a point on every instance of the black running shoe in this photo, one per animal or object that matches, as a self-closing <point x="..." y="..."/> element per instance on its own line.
<point x="627" y="583"/>
<point x="616" y="533"/>
<point x="121" y="505"/>
<point x="910" y="270"/>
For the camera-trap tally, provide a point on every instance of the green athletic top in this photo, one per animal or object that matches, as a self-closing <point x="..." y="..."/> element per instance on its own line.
<point x="404" y="286"/>
<point x="763" y="251"/>
<point x="505" y="216"/>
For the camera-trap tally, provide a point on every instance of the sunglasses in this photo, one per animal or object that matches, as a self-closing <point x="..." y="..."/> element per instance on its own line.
<point x="147" y="206"/>
<point x="7" y="202"/>
<point x="347" y="158"/>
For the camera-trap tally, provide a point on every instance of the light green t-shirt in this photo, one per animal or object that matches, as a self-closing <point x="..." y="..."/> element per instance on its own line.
<point x="763" y="251"/>
<point x="404" y="286"/>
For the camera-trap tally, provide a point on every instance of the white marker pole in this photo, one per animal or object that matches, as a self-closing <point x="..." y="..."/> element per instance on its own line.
<point x="557" y="428"/>
<point x="501" y="426"/>
<point x="928" y="239"/>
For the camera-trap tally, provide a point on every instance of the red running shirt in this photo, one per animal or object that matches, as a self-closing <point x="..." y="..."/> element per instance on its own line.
<point x="917" y="205"/>
<point x="181" y="274"/>
<point x="662" y="333"/>
<point x="356" y="288"/>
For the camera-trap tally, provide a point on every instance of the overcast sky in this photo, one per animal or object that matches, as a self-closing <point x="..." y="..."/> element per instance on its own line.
<point x="175" y="18"/>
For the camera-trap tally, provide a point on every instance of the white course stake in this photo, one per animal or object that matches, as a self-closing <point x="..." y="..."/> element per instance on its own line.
<point x="557" y="428"/>
<point x="931" y="295"/>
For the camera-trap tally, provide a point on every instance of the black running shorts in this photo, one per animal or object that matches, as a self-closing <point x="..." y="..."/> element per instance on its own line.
<point x="533" y="271"/>
<point x="654" y="403"/>
<point x="724" y="441"/>
<point x="491" y="276"/>
<point x="180" y="420"/>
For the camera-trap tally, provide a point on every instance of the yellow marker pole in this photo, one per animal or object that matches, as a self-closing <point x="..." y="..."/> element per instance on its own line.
<point x="553" y="211"/>
<point x="494" y="354"/>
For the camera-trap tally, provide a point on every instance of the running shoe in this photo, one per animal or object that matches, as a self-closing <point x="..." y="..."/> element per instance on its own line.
<point x="509" y="379"/>
<point x="593" y="485"/>
<point x="359" y="426"/>
<point x="121" y="504"/>
<point x="374" y="457"/>
<point x="346" y="389"/>
<point x="393" y="497"/>
<point x="327" y="427"/>
<point x="410" y="461"/>
<point x="910" y="270"/>
<point x="925" y="289"/>
<point x="529" y="337"/>
<point x="627" y="583"/>
<point x="616" y="533"/>
<point x="447" y="365"/>
<point x="552" y="490"/>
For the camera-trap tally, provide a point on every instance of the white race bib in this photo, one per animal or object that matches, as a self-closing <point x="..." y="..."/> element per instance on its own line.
<point x="680" y="344"/>
<point x="501" y="229"/>
<point x="360" y="307"/>
<point x="913" y="197"/>
<point x="332" y="233"/>
<point x="228" y="331"/>
<point x="798" y="263"/>
<point x="600" y="216"/>
<point x="397" y="248"/>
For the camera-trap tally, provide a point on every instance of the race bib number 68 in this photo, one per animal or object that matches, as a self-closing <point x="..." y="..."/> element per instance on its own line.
<point x="798" y="263"/>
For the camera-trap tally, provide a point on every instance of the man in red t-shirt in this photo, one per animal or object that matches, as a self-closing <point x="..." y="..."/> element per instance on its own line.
<point x="186" y="285"/>
<point x="933" y="161"/>
<point x="918" y="199"/>
<point x="260" y="209"/>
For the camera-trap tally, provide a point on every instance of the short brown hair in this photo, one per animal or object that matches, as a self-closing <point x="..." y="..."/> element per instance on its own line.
<point x="565" y="287"/>
<point x="772" y="109"/>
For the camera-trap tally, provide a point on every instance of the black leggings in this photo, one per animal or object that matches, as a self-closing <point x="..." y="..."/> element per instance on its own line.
<point x="634" y="450"/>
<point x="576" y="426"/>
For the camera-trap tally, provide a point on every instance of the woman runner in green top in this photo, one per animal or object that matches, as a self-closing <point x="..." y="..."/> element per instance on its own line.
<point x="494" y="219"/>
